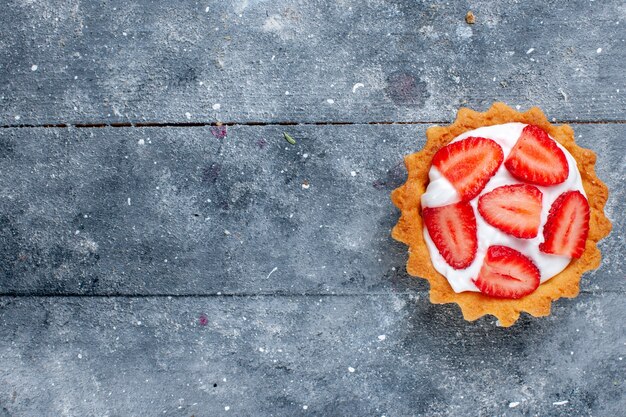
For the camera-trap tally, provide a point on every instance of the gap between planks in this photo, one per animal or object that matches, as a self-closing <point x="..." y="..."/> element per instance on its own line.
<point x="248" y="295"/>
<point x="278" y="123"/>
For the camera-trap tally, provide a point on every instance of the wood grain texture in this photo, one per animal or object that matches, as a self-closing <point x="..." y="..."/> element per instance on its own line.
<point x="181" y="211"/>
<point x="392" y="355"/>
<point x="307" y="61"/>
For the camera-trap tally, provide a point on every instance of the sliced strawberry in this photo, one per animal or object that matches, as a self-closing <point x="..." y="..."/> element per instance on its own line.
<point x="514" y="209"/>
<point x="453" y="230"/>
<point x="469" y="164"/>
<point x="567" y="227"/>
<point x="506" y="273"/>
<point x="537" y="159"/>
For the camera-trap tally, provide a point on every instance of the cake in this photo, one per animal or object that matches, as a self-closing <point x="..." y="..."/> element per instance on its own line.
<point x="502" y="212"/>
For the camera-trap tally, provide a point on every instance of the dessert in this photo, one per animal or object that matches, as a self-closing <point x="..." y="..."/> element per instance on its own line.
<point x="502" y="212"/>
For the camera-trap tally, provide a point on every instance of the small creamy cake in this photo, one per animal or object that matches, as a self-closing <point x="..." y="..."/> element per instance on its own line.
<point x="502" y="212"/>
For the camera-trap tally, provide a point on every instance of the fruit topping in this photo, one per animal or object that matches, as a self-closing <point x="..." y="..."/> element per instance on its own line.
<point x="469" y="164"/>
<point x="537" y="159"/>
<point x="506" y="273"/>
<point x="567" y="227"/>
<point x="452" y="228"/>
<point x="514" y="209"/>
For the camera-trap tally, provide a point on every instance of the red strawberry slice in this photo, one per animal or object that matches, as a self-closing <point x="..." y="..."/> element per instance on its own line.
<point x="453" y="230"/>
<point x="537" y="159"/>
<point x="567" y="227"/>
<point x="469" y="164"/>
<point x="514" y="209"/>
<point x="506" y="273"/>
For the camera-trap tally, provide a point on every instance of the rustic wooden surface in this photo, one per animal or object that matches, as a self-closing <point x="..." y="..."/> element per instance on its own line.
<point x="275" y="61"/>
<point x="155" y="263"/>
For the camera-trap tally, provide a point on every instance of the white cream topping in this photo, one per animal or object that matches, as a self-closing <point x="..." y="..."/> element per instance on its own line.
<point x="440" y="192"/>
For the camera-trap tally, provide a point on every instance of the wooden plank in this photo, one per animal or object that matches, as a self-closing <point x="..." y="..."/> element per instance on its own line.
<point x="181" y="211"/>
<point x="368" y="356"/>
<point x="296" y="60"/>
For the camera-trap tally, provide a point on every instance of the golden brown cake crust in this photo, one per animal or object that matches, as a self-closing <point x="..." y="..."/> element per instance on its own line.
<point x="409" y="227"/>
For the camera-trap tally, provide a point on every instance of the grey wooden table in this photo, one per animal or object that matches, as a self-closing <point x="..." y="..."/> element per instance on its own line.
<point x="155" y="262"/>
